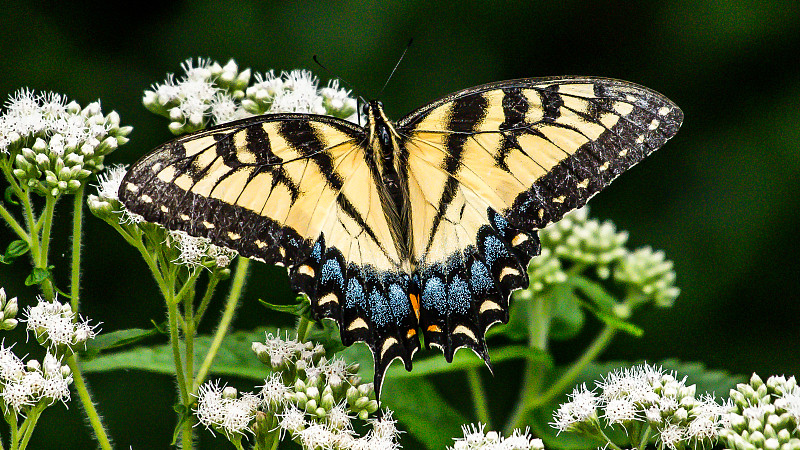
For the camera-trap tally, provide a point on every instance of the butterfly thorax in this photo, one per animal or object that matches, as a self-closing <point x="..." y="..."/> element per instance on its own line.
<point x="389" y="162"/>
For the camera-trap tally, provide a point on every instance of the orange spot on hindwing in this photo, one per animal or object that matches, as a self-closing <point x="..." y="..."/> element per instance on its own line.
<point x="415" y="304"/>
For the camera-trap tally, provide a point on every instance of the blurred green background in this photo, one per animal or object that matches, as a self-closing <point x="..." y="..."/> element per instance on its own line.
<point x="721" y="198"/>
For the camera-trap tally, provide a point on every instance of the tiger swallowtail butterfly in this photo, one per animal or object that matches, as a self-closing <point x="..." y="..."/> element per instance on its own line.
<point x="424" y="225"/>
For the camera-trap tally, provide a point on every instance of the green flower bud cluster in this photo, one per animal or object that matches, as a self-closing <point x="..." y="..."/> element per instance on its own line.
<point x="8" y="311"/>
<point x="582" y="241"/>
<point x="543" y="271"/>
<point x="764" y="415"/>
<point x="211" y="93"/>
<point x="576" y="243"/>
<point x="650" y="273"/>
<point x="54" y="145"/>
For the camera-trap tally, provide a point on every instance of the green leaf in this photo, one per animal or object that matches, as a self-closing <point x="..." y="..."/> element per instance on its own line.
<point x="9" y="196"/>
<point x="567" y="315"/>
<point x="595" y="292"/>
<point x="327" y="334"/>
<point x="14" y="250"/>
<point x="517" y="327"/>
<point x="301" y="309"/>
<point x="621" y="325"/>
<point x="463" y="360"/>
<point x="184" y="414"/>
<point x="234" y="358"/>
<point x="424" y="412"/>
<point x="38" y="276"/>
<point x="121" y="338"/>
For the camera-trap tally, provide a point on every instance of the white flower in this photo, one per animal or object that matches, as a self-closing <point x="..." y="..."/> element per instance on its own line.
<point x="292" y="420"/>
<point x="219" y="408"/>
<point x="620" y="410"/>
<point x="385" y="427"/>
<point x="110" y="181"/>
<point x="338" y="418"/>
<point x="672" y="435"/>
<point x="298" y="94"/>
<point x="582" y="405"/>
<point x="274" y="392"/>
<point x="335" y="371"/>
<point x="11" y="367"/>
<point x="55" y="323"/>
<point x="476" y="439"/>
<point x="317" y="437"/>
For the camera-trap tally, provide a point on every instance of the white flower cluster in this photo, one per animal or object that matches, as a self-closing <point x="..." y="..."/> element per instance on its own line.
<point x="55" y="324"/>
<point x="644" y="396"/>
<point x="336" y="432"/>
<point x="476" y="438"/>
<point x="764" y="415"/>
<point x="312" y="398"/>
<point x="54" y="144"/>
<point x="24" y="385"/>
<point x="211" y="93"/>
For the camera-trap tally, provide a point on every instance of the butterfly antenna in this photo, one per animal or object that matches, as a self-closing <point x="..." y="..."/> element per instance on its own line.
<point x="359" y="99"/>
<point x="410" y="41"/>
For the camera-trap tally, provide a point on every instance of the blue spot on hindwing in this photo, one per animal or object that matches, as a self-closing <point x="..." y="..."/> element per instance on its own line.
<point x="434" y="296"/>
<point x="316" y="252"/>
<point x="458" y="296"/>
<point x="379" y="313"/>
<point x="479" y="277"/>
<point x="332" y="271"/>
<point x="500" y="223"/>
<point x="399" y="302"/>
<point x="494" y="249"/>
<point x="355" y="294"/>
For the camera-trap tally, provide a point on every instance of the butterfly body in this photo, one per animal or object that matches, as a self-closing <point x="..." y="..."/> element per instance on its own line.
<point x="423" y="226"/>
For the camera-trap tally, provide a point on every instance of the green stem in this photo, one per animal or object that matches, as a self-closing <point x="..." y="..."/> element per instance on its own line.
<point x="13" y="424"/>
<point x="478" y="396"/>
<point x="12" y="222"/>
<point x="136" y="242"/>
<point x="30" y="424"/>
<point x="213" y="280"/>
<point x="86" y="400"/>
<point x="538" y="318"/>
<point x="31" y="220"/>
<point x="567" y="378"/>
<point x="174" y="337"/>
<point x="189" y="329"/>
<point x="302" y="328"/>
<point x="77" y="235"/>
<point x="609" y="442"/>
<point x="44" y="249"/>
<point x="237" y="287"/>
